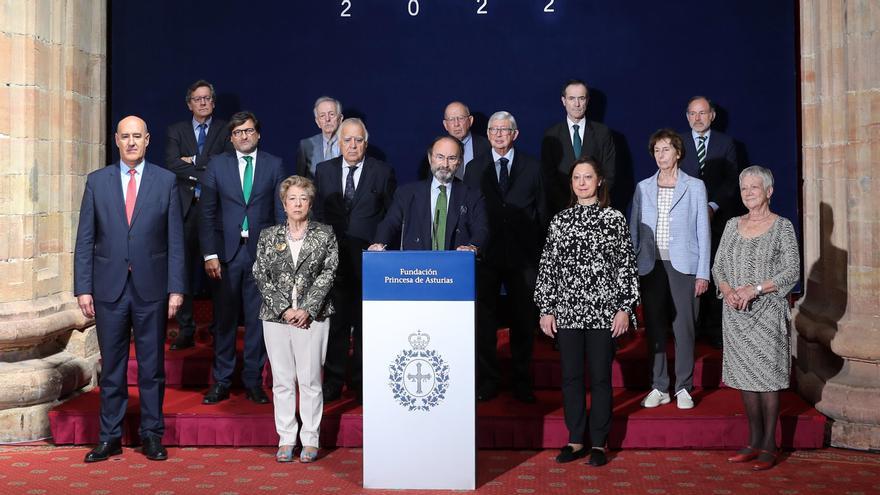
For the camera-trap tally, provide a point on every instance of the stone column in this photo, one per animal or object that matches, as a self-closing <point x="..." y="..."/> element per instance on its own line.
<point x="52" y="121"/>
<point x="838" y="320"/>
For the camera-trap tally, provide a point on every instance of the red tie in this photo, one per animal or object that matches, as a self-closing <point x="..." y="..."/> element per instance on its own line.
<point x="130" y="195"/>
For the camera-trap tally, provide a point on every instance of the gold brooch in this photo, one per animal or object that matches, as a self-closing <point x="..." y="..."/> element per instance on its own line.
<point x="281" y="246"/>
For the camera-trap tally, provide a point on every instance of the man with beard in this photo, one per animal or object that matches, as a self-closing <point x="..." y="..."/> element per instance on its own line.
<point x="437" y="214"/>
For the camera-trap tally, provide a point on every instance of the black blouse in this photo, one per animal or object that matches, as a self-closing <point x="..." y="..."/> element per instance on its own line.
<point x="588" y="269"/>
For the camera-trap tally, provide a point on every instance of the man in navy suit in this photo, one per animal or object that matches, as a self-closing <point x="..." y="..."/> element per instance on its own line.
<point x="574" y="138"/>
<point x="324" y="145"/>
<point x="354" y="193"/>
<point x="710" y="155"/>
<point x="188" y="149"/>
<point x="414" y="215"/>
<point x="240" y="198"/>
<point x="129" y="275"/>
<point x="511" y="183"/>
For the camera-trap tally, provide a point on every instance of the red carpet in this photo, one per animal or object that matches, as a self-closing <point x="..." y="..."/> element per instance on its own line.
<point x="246" y="471"/>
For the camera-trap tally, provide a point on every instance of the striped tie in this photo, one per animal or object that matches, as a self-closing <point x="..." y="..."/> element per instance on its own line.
<point x="701" y="152"/>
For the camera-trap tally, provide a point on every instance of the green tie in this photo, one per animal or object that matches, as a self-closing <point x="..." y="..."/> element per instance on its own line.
<point x="576" y="141"/>
<point x="439" y="243"/>
<point x="248" y="185"/>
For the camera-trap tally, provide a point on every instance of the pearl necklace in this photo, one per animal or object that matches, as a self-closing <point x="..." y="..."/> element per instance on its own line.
<point x="294" y="238"/>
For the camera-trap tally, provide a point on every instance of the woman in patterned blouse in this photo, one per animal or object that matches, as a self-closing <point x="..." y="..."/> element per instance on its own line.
<point x="669" y="224"/>
<point x="756" y="266"/>
<point x="295" y="267"/>
<point x="587" y="288"/>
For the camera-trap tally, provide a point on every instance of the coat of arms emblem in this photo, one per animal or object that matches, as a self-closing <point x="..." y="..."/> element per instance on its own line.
<point x="419" y="377"/>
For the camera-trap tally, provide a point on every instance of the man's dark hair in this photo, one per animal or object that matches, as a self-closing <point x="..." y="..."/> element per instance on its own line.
<point x="575" y="82"/>
<point x="453" y="138"/>
<point x="201" y="83"/>
<point x="241" y="117"/>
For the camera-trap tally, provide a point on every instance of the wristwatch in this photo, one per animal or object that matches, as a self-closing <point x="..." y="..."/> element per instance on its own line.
<point x="758" y="290"/>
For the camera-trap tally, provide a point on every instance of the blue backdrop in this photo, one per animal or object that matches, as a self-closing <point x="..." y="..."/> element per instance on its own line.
<point x="642" y="59"/>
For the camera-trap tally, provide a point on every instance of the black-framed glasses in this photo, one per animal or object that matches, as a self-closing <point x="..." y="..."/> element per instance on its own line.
<point x="250" y="131"/>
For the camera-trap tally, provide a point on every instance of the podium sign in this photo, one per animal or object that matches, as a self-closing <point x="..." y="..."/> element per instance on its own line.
<point x="418" y="345"/>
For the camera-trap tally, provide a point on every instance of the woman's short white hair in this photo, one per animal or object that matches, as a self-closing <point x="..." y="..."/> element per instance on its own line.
<point x="758" y="171"/>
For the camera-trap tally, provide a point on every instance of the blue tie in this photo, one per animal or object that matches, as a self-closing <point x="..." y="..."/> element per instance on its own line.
<point x="202" y="136"/>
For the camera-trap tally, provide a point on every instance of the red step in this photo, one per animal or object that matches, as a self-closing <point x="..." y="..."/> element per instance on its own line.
<point x="717" y="421"/>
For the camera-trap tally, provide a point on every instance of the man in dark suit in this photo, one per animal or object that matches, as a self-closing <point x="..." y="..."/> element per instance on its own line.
<point x="438" y="214"/>
<point x="710" y="155"/>
<point x="571" y="139"/>
<point x="512" y="185"/>
<point x="189" y="147"/>
<point x="240" y="199"/>
<point x="129" y="276"/>
<point x="354" y="193"/>
<point x="324" y="145"/>
<point x="457" y="120"/>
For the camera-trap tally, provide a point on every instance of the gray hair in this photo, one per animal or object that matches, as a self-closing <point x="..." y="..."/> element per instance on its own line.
<point x="327" y="98"/>
<point x="758" y="171"/>
<point x="502" y="115"/>
<point x="354" y="120"/>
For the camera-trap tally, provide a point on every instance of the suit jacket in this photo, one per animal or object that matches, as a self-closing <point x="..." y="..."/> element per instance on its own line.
<point x="309" y="155"/>
<point x="481" y="147"/>
<point x="223" y="208"/>
<point x="181" y="141"/>
<point x="557" y="157"/>
<point x="720" y="174"/>
<point x="518" y="220"/>
<point x="689" y="240"/>
<point x="276" y="273"/>
<point x="106" y="246"/>
<point x="466" y="221"/>
<point x="372" y="198"/>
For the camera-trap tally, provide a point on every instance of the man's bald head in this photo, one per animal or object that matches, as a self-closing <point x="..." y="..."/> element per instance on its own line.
<point x="132" y="140"/>
<point x="457" y="120"/>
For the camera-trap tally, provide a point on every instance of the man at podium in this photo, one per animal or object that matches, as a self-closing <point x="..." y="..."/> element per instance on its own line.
<point x="438" y="214"/>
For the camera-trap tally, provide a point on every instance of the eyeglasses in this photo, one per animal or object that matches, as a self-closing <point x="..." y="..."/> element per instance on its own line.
<point x="202" y="99"/>
<point x="250" y="131"/>
<point x="457" y="119"/>
<point x="448" y="159"/>
<point x="328" y="115"/>
<point x="501" y="130"/>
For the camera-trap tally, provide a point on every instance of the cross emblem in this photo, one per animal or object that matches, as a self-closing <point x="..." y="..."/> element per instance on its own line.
<point x="418" y="377"/>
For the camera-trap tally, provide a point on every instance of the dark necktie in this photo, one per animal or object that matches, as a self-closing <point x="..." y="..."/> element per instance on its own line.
<point x="348" y="194"/>
<point x="503" y="175"/>
<point x="202" y="135"/>
<point x="576" y="142"/>
<point x="701" y="152"/>
<point x="439" y="243"/>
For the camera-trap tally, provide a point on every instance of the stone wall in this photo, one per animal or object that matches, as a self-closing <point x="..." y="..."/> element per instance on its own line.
<point x="52" y="133"/>
<point x="838" y="320"/>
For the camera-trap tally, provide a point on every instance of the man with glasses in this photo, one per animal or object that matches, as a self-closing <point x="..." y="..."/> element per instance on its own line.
<point x="324" y="145"/>
<point x="189" y="146"/>
<point x="441" y="213"/>
<point x="513" y="188"/>
<point x="710" y="155"/>
<point x="354" y="193"/>
<point x="240" y="198"/>
<point x="457" y="120"/>
<point x="573" y="138"/>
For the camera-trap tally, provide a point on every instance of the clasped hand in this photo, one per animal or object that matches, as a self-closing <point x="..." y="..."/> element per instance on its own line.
<point x="741" y="297"/>
<point x="299" y="318"/>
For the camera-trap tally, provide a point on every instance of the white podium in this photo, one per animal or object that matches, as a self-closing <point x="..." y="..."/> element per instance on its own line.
<point x="419" y="355"/>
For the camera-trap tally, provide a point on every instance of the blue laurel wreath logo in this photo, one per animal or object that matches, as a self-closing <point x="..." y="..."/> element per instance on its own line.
<point x="419" y="378"/>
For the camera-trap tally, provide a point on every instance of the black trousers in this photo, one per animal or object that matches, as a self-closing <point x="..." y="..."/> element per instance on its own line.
<point x="598" y="347"/>
<point x="346" y="325"/>
<point x="195" y="269"/>
<point x="520" y="285"/>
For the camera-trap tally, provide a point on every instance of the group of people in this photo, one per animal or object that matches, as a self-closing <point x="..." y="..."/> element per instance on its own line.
<point x="283" y="254"/>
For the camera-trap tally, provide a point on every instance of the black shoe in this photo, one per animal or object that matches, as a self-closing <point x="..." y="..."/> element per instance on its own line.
<point x="256" y="394"/>
<point x="104" y="451"/>
<point x="216" y="393"/>
<point x="331" y="393"/>
<point x="597" y="457"/>
<point x="153" y="449"/>
<point x="487" y="393"/>
<point x="525" y="395"/>
<point x="182" y="342"/>
<point x="568" y="454"/>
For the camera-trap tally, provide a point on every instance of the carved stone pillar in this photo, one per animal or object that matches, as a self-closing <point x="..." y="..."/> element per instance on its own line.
<point x="52" y="121"/>
<point x="838" y="320"/>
